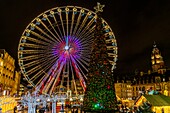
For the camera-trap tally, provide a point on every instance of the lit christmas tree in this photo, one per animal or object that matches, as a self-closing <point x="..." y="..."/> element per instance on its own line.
<point x="100" y="94"/>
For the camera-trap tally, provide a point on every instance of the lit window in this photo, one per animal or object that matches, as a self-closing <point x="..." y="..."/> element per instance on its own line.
<point x="1" y="63"/>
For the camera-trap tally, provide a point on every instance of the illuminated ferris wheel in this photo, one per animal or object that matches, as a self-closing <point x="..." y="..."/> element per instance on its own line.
<point x="54" y="49"/>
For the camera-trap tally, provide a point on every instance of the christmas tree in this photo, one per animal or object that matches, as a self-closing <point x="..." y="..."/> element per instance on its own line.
<point x="100" y="94"/>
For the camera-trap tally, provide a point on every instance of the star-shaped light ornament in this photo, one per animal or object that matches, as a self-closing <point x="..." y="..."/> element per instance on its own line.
<point x="99" y="7"/>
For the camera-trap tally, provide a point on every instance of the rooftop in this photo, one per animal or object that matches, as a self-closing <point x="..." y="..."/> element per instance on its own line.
<point x="158" y="100"/>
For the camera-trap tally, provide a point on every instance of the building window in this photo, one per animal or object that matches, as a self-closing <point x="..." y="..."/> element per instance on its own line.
<point x="143" y="88"/>
<point x="1" y="63"/>
<point x="133" y="88"/>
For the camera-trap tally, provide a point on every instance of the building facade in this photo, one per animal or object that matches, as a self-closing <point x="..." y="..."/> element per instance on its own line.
<point x="9" y="78"/>
<point x="16" y="85"/>
<point x="158" y="79"/>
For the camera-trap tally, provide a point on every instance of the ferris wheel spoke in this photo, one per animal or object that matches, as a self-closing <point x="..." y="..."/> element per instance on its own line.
<point x="67" y="12"/>
<point x="56" y="23"/>
<point x="62" y="78"/>
<point x="26" y="38"/>
<point x="90" y="32"/>
<point x="86" y="29"/>
<point x="87" y="42"/>
<point x="58" y="39"/>
<point x="52" y="25"/>
<point x="42" y="31"/>
<point x="68" y="71"/>
<point x="50" y="67"/>
<point x="72" y="20"/>
<point x="33" y="51"/>
<point x="78" y="21"/>
<point x="37" y="61"/>
<point x="83" y="24"/>
<point x="40" y="73"/>
<point x="62" y="24"/>
<point x="78" y="71"/>
<point x="41" y="37"/>
<point x="55" y="72"/>
<point x="85" y="55"/>
<point x="55" y="38"/>
<point x="73" y="79"/>
<point x="80" y="63"/>
<point x="36" y="68"/>
<point x="43" y="80"/>
<point x="33" y="63"/>
<point x="41" y="86"/>
<point x="32" y="57"/>
<point x="32" y="45"/>
<point x="50" y="81"/>
<point x="56" y="78"/>
<point x="46" y="67"/>
<point x="85" y="61"/>
<point x="84" y="39"/>
<point x="31" y="71"/>
<point x="85" y="48"/>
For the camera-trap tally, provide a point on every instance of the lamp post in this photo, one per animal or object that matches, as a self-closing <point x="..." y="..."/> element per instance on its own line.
<point x="31" y="101"/>
<point x="54" y="100"/>
<point x="62" y="98"/>
<point x="27" y="100"/>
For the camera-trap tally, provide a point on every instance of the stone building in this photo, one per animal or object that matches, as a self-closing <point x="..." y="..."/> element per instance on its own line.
<point x="157" y="78"/>
<point x="9" y="78"/>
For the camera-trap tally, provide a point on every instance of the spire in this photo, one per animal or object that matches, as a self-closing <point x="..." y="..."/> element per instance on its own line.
<point x="154" y="44"/>
<point x="156" y="59"/>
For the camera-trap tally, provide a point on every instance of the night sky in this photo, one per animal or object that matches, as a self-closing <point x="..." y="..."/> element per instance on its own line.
<point x="136" y="26"/>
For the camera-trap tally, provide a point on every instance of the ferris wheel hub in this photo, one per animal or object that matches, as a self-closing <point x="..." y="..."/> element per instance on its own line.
<point x="66" y="47"/>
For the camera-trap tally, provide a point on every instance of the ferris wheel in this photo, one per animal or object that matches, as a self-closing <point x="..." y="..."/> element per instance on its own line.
<point x="54" y="49"/>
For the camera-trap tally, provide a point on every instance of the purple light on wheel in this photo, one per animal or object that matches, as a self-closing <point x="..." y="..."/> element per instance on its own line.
<point x="70" y="46"/>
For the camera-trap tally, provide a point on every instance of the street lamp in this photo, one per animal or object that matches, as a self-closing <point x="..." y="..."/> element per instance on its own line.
<point x="81" y="99"/>
<point x="71" y="99"/>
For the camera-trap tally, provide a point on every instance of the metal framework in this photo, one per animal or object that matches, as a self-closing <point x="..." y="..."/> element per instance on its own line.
<point x="31" y="101"/>
<point x="54" y="49"/>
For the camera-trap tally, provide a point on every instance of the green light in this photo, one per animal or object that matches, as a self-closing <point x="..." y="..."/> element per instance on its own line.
<point x="96" y="106"/>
